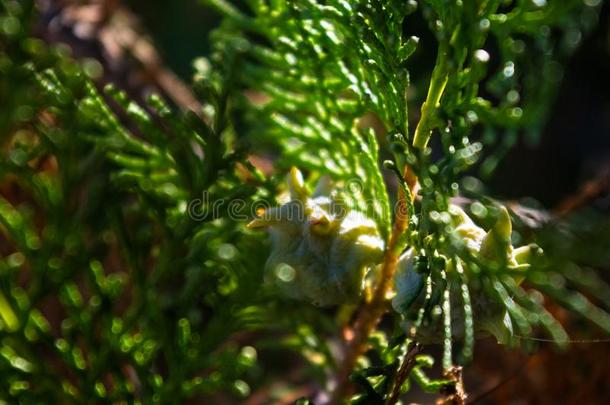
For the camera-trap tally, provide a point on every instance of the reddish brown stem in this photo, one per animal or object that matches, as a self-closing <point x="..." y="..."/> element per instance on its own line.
<point x="372" y="311"/>
<point x="589" y="191"/>
<point x="403" y="372"/>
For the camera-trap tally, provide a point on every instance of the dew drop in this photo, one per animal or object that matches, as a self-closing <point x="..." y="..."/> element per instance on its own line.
<point x="285" y="272"/>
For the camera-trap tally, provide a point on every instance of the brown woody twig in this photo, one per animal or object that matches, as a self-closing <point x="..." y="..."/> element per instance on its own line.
<point x="372" y="311"/>
<point x="403" y="372"/>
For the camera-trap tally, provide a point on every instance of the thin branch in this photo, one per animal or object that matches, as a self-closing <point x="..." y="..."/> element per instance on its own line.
<point x="403" y="372"/>
<point x="589" y="191"/>
<point x="111" y="34"/>
<point x="438" y="82"/>
<point x="372" y="311"/>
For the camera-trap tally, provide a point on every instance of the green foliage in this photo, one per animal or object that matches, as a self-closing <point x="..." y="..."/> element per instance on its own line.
<point x="109" y="289"/>
<point x="318" y="64"/>
<point x="121" y="281"/>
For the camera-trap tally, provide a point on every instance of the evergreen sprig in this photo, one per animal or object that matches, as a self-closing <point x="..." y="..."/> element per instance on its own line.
<point x="111" y="287"/>
<point x="126" y="274"/>
<point x="316" y="65"/>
